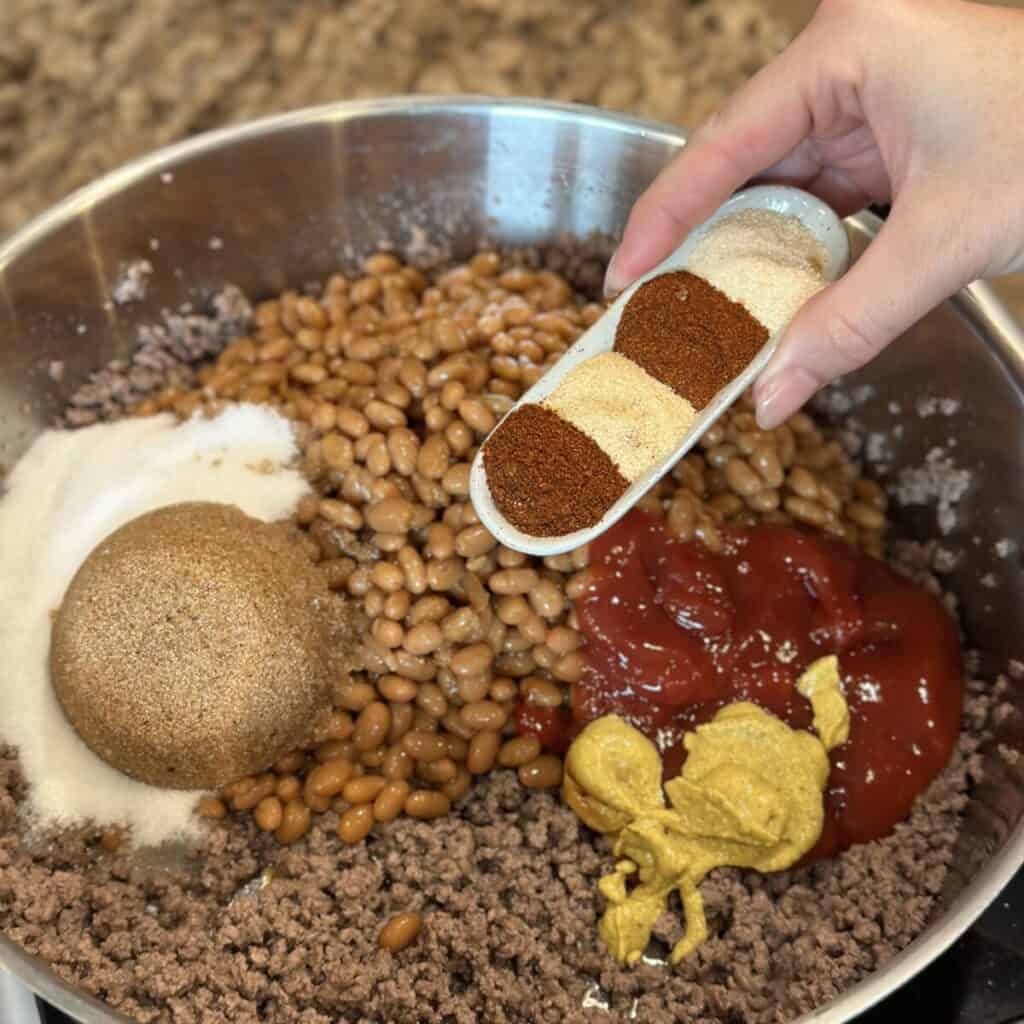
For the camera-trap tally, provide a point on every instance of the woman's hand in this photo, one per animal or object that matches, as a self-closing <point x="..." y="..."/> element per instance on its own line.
<point x="914" y="102"/>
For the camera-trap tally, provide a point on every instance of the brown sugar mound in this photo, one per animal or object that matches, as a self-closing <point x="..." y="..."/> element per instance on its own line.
<point x="689" y="335"/>
<point x="546" y="476"/>
<point x="195" y="646"/>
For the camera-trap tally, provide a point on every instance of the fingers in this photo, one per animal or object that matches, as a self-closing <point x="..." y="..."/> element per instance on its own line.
<point x="907" y="270"/>
<point x="761" y="124"/>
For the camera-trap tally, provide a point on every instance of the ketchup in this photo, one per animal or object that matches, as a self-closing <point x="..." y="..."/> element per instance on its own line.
<point x="674" y="632"/>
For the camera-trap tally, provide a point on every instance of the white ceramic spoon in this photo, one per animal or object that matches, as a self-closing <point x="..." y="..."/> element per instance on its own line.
<point x="818" y="218"/>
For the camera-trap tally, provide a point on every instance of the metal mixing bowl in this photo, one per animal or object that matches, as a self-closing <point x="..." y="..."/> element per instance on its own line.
<point x="285" y="200"/>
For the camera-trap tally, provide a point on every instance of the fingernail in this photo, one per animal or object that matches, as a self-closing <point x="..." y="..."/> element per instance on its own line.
<point x="613" y="284"/>
<point x="778" y="397"/>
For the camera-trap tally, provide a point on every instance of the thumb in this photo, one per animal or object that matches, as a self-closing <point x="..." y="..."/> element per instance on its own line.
<point x="913" y="265"/>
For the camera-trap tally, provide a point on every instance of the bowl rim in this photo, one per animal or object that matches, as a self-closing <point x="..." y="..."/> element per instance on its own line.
<point x="977" y="303"/>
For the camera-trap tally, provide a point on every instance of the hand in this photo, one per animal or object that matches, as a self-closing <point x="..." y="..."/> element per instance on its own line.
<point x="913" y="102"/>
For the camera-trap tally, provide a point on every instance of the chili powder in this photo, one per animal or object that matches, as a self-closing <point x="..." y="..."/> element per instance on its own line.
<point x="547" y="477"/>
<point x="688" y="334"/>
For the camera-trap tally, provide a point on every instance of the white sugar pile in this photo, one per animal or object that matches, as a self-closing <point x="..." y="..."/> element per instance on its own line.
<point x="768" y="262"/>
<point x="69" y="492"/>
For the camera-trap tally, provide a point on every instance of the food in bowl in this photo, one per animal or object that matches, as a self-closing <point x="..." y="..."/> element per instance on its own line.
<point x="433" y="789"/>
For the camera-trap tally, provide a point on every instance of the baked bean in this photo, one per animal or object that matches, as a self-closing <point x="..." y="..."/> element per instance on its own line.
<point x="391" y="800"/>
<point x="396" y="605"/>
<point x="329" y="778"/>
<point x="397" y="765"/>
<point x="477" y="415"/>
<point x="543" y="772"/>
<point x="533" y="629"/>
<point x="363" y="790"/>
<point x="431" y="608"/>
<point x="503" y="690"/>
<point x="456" y="479"/>
<point x="569" y="667"/>
<point x="512" y="610"/>
<point x="371" y="726"/>
<point x="474" y="540"/>
<point x="396" y="689"/>
<point x="472" y="660"/>
<point x="562" y="640"/>
<point x="443" y="574"/>
<point x="513" y="581"/>
<point x="386" y="633"/>
<point x="355" y="824"/>
<point x="295" y="821"/>
<point x="484" y="715"/>
<point x="403" y="717"/>
<point x="334" y="750"/>
<point x="483" y="750"/>
<point x="547" y="599"/>
<point x="269" y="814"/>
<point x="424" y="746"/>
<point x="461" y="625"/>
<point x="433" y="457"/>
<point x="742" y="479"/>
<point x="392" y="515"/>
<point x="400" y="932"/>
<point x="336" y="726"/>
<point x="440" y="541"/>
<point x="424" y="638"/>
<point x="766" y="463"/>
<point x="519" y="751"/>
<point x="541" y="692"/>
<point x="437" y="772"/>
<point x="803" y="510"/>
<point x="354" y="696"/>
<point x="430" y="698"/>
<point x="212" y="808"/>
<point x="414" y="570"/>
<point x="426" y="804"/>
<point x="261" y="787"/>
<point x="289" y="763"/>
<point x="288" y="787"/>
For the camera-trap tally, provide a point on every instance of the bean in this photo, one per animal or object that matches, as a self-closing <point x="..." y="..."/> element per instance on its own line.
<point x="543" y="772"/>
<point x="212" y="808"/>
<point x="424" y="746"/>
<point x="484" y="715"/>
<point x="516" y="752"/>
<point x="541" y="692"/>
<point x="426" y="804"/>
<point x="295" y="821"/>
<point x="371" y="726"/>
<point x="392" y="515"/>
<point x="483" y="749"/>
<point x="396" y="689"/>
<point x="741" y="478"/>
<point x="328" y="779"/>
<point x="474" y="540"/>
<point x="804" y="510"/>
<point x="437" y="772"/>
<point x="400" y="932"/>
<point x="424" y="638"/>
<point x="547" y="599"/>
<point x="397" y="765"/>
<point x="364" y="790"/>
<point x="513" y="581"/>
<point x="261" y="787"/>
<point x="354" y="696"/>
<point x="391" y="800"/>
<point x="269" y="814"/>
<point x="355" y="824"/>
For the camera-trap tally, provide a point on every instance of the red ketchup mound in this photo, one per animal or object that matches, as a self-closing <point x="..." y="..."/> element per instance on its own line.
<point x="674" y="632"/>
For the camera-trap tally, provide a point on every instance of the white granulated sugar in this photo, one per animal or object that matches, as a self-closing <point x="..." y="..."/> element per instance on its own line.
<point x="766" y="261"/>
<point x="69" y="492"/>
<point x="939" y="482"/>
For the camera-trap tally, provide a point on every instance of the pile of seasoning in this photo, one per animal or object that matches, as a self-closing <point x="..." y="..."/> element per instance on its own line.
<point x="557" y="467"/>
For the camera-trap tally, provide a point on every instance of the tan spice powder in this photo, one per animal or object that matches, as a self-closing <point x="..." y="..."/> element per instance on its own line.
<point x="547" y="477"/>
<point x="635" y="419"/>
<point x="687" y="334"/>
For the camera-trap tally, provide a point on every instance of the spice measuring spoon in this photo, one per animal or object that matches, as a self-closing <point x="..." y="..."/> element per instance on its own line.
<point x="816" y="217"/>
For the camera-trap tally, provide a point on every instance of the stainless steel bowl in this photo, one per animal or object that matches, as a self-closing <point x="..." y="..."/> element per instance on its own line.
<point x="289" y="198"/>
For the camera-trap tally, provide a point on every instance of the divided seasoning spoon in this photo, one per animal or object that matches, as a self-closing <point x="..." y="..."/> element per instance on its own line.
<point x="826" y="229"/>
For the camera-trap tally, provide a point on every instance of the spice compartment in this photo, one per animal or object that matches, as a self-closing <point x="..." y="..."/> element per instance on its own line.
<point x="819" y="219"/>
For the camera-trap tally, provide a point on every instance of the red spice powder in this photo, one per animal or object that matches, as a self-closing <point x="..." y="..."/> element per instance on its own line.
<point x="689" y="335"/>
<point x="546" y="477"/>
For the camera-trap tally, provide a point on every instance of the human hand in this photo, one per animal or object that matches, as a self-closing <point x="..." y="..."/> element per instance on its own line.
<point x="913" y="102"/>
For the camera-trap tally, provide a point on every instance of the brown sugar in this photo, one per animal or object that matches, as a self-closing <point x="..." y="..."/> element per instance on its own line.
<point x="196" y="645"/>
<point x="547" y="477"/>
<point x="687" y="334"/>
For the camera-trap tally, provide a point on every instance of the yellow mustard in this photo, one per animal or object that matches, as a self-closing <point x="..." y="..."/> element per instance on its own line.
<point x="750" y="795"/>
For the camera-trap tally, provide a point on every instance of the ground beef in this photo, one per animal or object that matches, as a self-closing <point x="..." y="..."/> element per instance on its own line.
<point x="507" y="888"/>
